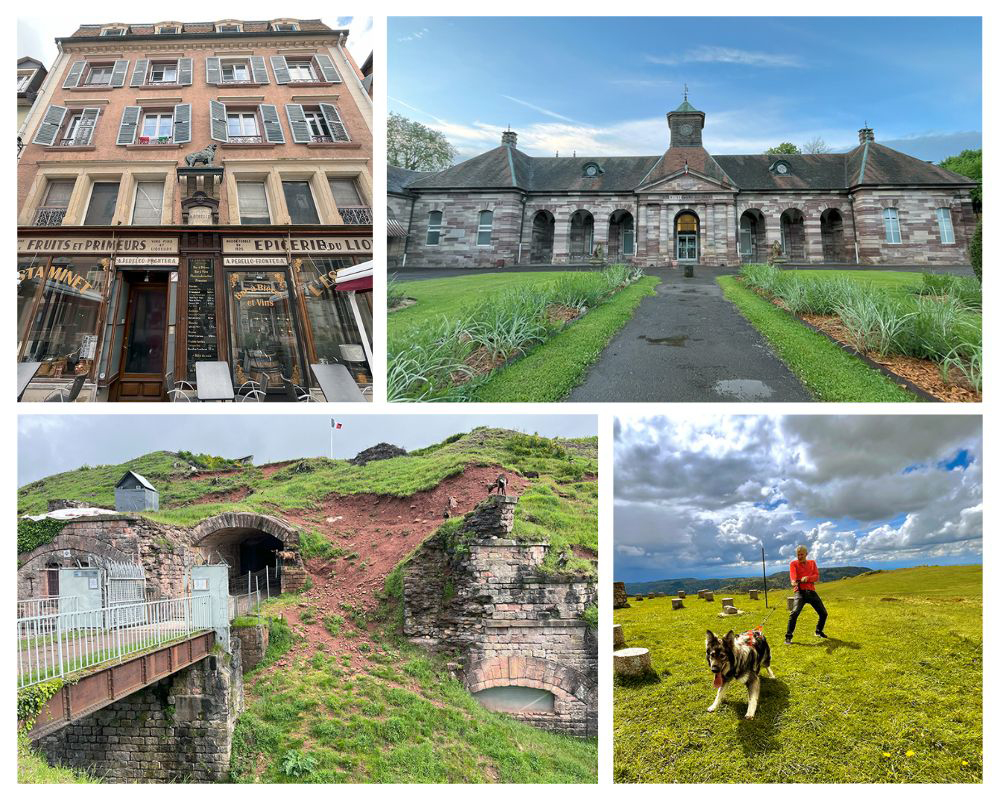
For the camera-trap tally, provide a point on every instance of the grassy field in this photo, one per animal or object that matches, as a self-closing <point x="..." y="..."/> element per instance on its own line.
<point x="830" y="373"/>
<point x="403" y="720"/>
<point x="894" y="695"/>
<point x="33" y="768"/>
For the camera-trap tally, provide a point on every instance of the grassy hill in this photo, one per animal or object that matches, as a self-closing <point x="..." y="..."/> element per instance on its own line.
<point x="895" y="694"/>
<point x="776" y="580"/>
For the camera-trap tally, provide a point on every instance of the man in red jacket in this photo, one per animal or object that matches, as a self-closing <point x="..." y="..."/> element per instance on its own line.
<point x="804" y="575"/>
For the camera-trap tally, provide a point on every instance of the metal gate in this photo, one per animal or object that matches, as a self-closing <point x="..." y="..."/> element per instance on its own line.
<point x="125" y="585"/>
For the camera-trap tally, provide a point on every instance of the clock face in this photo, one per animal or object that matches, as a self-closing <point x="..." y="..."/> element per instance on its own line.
<point x="686" y="129"/>
<point x="782" y="168"/>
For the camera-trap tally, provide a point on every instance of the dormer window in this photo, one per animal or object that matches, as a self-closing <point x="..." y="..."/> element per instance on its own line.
<point x="229" y="27"/>
<point x="167" y="29"/>
<point x="591" y="169"/>
<point x="285" y="26"/>
<point x="780" y="167"/>
<point x="113" y="32"/>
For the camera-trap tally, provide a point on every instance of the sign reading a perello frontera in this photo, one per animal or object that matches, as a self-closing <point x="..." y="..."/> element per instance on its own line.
<point x="306" y="245"/>
<point x="99" y="244"/>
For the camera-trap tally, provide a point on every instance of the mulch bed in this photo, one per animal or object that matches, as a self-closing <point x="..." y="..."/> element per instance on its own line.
<point x="912" y="372"/>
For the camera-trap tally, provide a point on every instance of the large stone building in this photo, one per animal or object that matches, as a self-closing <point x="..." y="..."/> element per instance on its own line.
<point x="195" y="192"/>
<point x="872" y="205"/>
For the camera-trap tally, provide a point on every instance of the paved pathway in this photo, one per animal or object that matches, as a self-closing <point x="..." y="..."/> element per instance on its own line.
<point x="689" y="344"/>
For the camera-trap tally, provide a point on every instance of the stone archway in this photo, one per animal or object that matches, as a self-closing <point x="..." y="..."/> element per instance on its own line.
<point x="252" y="544"/>
<point x="687" y="236"/>
<point x="581" y="235"/>
<point x="793" y="234"/>
<point x="573" y="696"/>
<point x="543" y="234"/>
<point x="831" y="226"/>
<point x="753" y="237"/>
<point x="621" y="235"/>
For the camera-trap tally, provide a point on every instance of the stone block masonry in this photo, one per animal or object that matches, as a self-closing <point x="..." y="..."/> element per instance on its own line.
<point x="179" y="729"/>
<point x="480" y="596"/>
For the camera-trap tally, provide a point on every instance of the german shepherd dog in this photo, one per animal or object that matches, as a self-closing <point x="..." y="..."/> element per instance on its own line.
<point x="738" y="659"/>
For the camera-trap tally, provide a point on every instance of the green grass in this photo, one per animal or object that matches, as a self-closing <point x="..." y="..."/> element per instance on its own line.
<point x="895" y="694"/>
<point x="404" y="719"/>
<point x="551" y="370"/>
<point x="33" y="768"/>
<point x="828" y="372"/>
<point x="304" y="484"/>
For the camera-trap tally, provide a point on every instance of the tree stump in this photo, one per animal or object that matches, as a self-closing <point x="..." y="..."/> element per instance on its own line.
<point x="619" y="636"/>
<point x="790" y="602"/>
<point x="702" y="593"/>
<point x="677" y="603"/>
<point x="709" y="596"/>
<point x="727" y="601"/>
<point x="681" y="594"/>
<point x="632" y="662"/>
<point x="638" y="597"/>
<point x="620" y="597"/>
<point x="753" y="594"/>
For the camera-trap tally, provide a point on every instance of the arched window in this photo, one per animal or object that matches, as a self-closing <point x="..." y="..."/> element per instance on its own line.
<point x="434" y="228"/>
<point x="485" y="235"/>
<point x="944" y="226"/>
<point x="890" y="218"/>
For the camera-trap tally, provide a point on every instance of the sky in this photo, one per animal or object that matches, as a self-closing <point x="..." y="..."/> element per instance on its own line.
<point x="697" y="496"/>
<point x="36" y="34"/>
<point x="52" y="443"/>
<point x="602" y="87"/>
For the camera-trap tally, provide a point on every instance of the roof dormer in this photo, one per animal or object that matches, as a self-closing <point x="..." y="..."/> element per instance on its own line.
<point x="781" y="167"/>
<point x="284" y="25"/>
<point x="229" y="26"/>
<point x="592" y="170"/>
<point x="169" y="28"/>
<point x="115" y="29"/>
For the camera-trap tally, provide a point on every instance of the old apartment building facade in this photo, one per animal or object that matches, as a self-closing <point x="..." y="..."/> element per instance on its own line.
<point x="872" y="205"/>
<point x="195" y="192"/>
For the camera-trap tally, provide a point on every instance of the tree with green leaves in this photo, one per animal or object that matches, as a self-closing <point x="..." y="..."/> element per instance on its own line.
<point x="785" y="148"/>
<point x="970" y="164"/>
<point x="411" y="145"/>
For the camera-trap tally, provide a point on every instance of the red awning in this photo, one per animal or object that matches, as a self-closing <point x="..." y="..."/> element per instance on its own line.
<point x="359" y="285"/>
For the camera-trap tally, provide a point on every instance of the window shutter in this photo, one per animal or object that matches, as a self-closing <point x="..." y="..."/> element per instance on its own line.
<point x="220" y="128"/>
<point x="297" y="122"/>
<point x="182" y="123"/>
<point x="280" y="69"/>
<point x="330" y="74"/>
<point x="118" y="73"/>
<point x="50" y="125"/>
<point x="139" y="73"/>
<point x="258" y="68"/>
<point x="272" y="125"/>
<point x="213" y="71"/>
<point x="73" y="77"/>
<point x="184" y="71"/>
<point x="88" y="121"/>
<point x="337" y="129"/>
<point x="129" y="125"/>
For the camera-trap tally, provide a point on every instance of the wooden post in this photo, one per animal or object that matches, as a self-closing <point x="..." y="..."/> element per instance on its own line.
<point x="710" y="596"/>
<point x="632" y="662"/>
<point x="681" y="594"/>
<point x="619" y="636"/>
<point x="638" y="597"/>
<point x="676" y="603"/>
<point x="727" y="601"/>
<point x="753" y="594"/>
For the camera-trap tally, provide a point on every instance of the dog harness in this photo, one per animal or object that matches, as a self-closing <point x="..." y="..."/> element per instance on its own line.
<point x="754" y="633"/>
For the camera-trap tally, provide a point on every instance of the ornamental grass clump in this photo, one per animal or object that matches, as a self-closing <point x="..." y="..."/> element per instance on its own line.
<point x="423" y="367"/>
<point x="763" y="277"/>
<point x="875" y="322"/>
<point x="508" y="324"/>
<point x="967" y="291"/>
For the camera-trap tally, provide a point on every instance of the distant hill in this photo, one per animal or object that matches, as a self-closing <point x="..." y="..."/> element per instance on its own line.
<point x="776" y="580"/>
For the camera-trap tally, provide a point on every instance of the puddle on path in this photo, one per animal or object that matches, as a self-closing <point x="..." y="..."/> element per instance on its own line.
<point x="672" y="341"/>
<point x="743" y="389"/>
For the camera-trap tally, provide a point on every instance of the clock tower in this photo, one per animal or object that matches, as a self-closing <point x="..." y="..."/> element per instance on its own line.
<point x="686" y="123"/>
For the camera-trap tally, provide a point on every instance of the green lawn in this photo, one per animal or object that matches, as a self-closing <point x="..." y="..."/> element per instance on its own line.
<point x="551" y="370"/>
<point x="830" y="373"/>
<point x="884" y="279"/>
<point x="33" y="768"/>
<point x="894" y="695"/>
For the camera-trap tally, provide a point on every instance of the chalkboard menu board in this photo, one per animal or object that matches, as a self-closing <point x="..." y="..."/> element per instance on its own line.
<point x="202" y="341"/>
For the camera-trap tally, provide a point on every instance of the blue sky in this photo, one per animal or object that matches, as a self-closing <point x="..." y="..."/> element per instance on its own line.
<point x="696" y="496"/>
<point x="602" y="86"/>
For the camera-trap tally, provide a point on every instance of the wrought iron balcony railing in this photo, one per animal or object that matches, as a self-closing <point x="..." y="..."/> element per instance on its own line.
<point x="49" y="216"/>
<point x="246" y="140"/>
<point x="76" y="141"/>
<point x="155" y="140"/>
<point x="356" y="216"/>
<point x="322" y="139"/>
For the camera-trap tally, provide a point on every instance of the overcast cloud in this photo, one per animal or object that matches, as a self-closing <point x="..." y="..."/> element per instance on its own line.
<point x="51" y="443"/>
<point x="697" y="496"/>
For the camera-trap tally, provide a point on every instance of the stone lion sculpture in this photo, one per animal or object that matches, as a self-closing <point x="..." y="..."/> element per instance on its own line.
<point x="206" y="156"/>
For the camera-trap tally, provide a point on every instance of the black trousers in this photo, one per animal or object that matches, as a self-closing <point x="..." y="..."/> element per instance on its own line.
<point x="806" y="597"/>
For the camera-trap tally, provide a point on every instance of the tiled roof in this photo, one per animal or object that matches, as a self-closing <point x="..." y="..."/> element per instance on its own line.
<point x="695" y="158"/>
<point x="754" y="172"/>
<point x="397" y="178"/>
<point x="249" y="26"/>
<point x="887" y="167"/>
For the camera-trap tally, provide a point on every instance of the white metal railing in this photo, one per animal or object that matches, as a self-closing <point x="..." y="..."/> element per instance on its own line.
<point x="58" y="644"/>
<point x="42" y="606"/>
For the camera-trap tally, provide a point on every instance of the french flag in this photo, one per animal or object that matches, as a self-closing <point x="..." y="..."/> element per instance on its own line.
<point x="336" y="425"/>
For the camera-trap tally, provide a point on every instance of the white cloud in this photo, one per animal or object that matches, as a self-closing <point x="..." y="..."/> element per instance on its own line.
<point x="707" y="54"/>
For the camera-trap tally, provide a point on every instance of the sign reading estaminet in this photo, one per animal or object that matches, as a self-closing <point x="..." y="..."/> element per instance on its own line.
<point x="311" y="245"/>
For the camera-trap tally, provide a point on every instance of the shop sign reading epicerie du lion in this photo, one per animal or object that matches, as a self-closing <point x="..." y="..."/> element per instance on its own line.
<point x="306" y="245"/>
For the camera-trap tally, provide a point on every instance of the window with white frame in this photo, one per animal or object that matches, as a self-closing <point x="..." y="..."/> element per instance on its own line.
<point x="434" y="228"/>
<point x="163" y="72"/>
<point x="890" y="219"/>
<point x="23" y="79"/>
<point x="229" y="27"/>
<point x="98" y="75"/>
<point x="54" y="203"/>
<point x="157" y="127"/>
<point x="300" y="70"/>
<point x="252" y="199"/>
<point x="167" y="29"/>
<point x="113" y="32"/>
<point x="242" y="125"/>
<point x="75" y="133"/>
<point x="237" y="71"/>
<point x="148" y="206"/>
<point x="285" y="26"/>
<point x="485" y="234"/>
<point x="317" y="124"/>
<point x="945" y="227"/>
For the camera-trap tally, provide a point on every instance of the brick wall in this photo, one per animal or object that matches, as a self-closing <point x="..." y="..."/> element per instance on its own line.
<point x="179" y="729"/>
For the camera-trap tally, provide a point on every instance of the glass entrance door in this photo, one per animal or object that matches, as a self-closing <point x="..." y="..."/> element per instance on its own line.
<point x="145" y="348"/>
<point x="687" y="247"/>
<point x="265" y="346"/>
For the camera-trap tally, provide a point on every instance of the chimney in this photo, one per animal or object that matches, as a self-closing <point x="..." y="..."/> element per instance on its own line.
<point x="866" y="135"/>
<point x="508" y="139"/>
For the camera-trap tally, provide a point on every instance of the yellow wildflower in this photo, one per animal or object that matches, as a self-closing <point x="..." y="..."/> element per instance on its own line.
<point x="910" y="753"/>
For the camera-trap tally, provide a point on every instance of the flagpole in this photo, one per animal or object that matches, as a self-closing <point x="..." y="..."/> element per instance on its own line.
<point x="331" y="440"/>
<point x="763" y="569"/>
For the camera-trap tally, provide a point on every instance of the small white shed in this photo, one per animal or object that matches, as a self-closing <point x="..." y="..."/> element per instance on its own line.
<point x="134" y="493"/>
